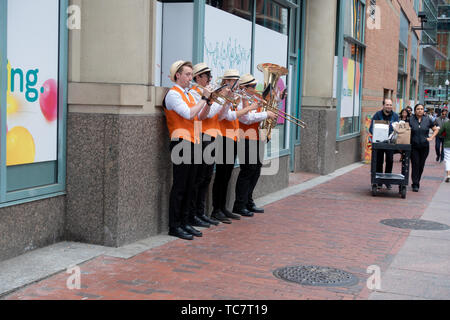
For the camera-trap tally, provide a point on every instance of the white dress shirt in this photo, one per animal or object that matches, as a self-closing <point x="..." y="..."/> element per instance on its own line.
<point x="253" y="117"/>
<point x="175" y="102"/>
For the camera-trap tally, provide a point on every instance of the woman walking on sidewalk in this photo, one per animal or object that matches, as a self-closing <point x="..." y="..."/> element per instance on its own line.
<point x="446" y="129"/>
<point x="420" y="143"/>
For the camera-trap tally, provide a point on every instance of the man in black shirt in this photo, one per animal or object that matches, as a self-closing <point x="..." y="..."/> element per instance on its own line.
<point x="388" y="115"/>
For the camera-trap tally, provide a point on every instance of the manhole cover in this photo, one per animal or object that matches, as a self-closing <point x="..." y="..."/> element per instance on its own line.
<point x="316" y="276"/>
<point x="415" y="224"/>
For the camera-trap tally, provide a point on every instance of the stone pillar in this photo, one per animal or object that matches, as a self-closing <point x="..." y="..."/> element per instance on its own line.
<point x="318" y="142"/>
<point x="118" y="166"/>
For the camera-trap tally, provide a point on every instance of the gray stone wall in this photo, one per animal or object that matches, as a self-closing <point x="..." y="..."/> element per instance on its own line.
<point x="317" y="150"/>
<point x="348" y="152"/>
<point x="119" y="176"/>
<point x="31" y="225"/>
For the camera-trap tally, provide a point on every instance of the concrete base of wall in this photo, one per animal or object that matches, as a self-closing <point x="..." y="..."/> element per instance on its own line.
<point x="316" y="152"/>
<point x="31" y="225"/>
<point x="119" y="176"/>
<point x="319" y="152"/>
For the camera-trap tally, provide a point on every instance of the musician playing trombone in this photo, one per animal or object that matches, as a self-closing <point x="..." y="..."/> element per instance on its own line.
<point x="226" y="148"/>
<point x="210" y="129"/>
<point x="251" y="150"/>
<point x="181" y="112"/>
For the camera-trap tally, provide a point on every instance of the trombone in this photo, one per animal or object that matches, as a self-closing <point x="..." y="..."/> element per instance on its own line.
<point x="280" y="113"/>
<point x="215" y="94"/>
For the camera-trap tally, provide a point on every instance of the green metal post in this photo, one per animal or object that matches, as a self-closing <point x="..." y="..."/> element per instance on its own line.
<point x="3" y="89"/>
<point x="199" y="31"/>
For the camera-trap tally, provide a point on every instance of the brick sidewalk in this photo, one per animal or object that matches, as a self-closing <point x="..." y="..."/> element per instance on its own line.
<point x="336" y="224"/>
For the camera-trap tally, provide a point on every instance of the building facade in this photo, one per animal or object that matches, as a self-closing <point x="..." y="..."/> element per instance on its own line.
<point x="435" y="78"/>
<point x="93" y="164"/>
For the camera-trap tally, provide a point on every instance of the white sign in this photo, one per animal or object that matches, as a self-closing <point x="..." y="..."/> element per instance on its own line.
<point x="228" y="42"/>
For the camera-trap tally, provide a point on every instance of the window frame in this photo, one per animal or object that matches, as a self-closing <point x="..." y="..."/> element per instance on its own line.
<point x="48" y="190"/>
<point x="293" y="58"/>
<point x="360" y="43"/>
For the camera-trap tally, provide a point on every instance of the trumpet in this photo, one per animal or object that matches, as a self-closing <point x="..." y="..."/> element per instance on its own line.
<point x="216" y="95"/>
<point x="267" y="106"/>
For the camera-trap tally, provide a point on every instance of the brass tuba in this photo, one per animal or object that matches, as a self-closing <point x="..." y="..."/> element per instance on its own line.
<point x="272" y="97"/>
<point x="272" y="73"/>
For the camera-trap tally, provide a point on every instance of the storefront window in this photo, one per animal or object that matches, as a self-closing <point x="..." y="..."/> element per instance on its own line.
<point x="350" y="97"/>
<point x="240" y="8"/>
<point x="413" y="81"/>
<point x="272" y="16"/>
<point x="402" y="56"/>
<point x="400" y="92"/>
<point x="35" y="98"/>
<point x="235" y="43"/>
<point x="354" y="18"/>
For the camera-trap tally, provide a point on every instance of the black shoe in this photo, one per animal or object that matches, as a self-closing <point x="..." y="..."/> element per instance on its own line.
<point x="388" y="186"/>
<point x="191" y="230"/>
<point x="209" y="220"/>
<point x="230" y="215"/>
<point x="437" y="158"/>
<point x="415" y="188"/>
<point x="180" y="233"/>
<point x="218" y="215"/>
<point x="243" y="212"/>
<point x="255" y="209"/>
<point x="197" y="222"/>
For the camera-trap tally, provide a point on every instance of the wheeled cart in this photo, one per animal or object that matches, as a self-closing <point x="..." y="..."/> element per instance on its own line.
<point x="391" y="178"/>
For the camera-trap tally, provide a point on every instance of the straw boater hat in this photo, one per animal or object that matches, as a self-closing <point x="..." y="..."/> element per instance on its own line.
<point x="176" y="66"/>
<point x="247" y="79"/>
<point x="200" y="68"/>
<point x="231" y="74"/>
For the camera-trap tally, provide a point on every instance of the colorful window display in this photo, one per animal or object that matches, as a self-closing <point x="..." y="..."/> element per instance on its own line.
<point x="32" y="91"/>
<point x="33" y="98"/>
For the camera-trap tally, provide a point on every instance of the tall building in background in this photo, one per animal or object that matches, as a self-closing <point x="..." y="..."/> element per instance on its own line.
<point x="434" y="84"/>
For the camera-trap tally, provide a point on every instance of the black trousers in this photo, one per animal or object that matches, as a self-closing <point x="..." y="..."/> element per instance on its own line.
<point x="184" y="174"/>
<point x="203" y="178"/>
<point x="389" y="161"/>
<point x="250" y="170"/>
<point x="226" y="150"/>
<point x="439" y="147"/>
<point x="418" y="157"/>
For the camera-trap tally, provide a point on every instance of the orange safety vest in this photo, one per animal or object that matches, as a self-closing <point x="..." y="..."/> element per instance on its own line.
<point x="180" y="127"/>
<point x="210" y="126"/>
<point x="250" y="131"/>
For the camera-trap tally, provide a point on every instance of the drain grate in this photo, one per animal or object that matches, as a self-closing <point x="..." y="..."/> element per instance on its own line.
<point x="316" y="276"/>
<point x="415" y="224"/>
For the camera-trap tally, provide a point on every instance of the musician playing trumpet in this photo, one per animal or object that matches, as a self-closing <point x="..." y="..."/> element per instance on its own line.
<point x="210" y="128"/>
<point x="251" y="150"/>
